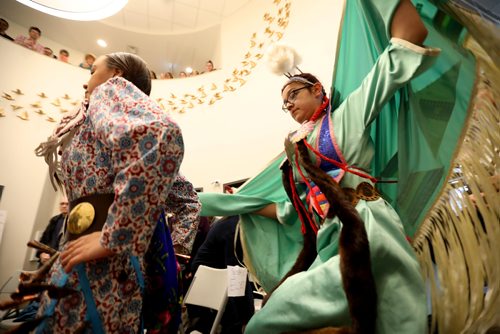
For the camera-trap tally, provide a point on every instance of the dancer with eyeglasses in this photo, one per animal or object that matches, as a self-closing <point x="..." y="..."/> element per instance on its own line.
<point x="356" y="272"/>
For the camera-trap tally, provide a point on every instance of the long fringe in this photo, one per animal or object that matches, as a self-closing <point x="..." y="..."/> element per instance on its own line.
<point x="458" y="243"/>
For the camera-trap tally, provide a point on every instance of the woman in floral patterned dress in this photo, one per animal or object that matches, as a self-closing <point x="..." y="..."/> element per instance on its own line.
<point x="122" y="144"/>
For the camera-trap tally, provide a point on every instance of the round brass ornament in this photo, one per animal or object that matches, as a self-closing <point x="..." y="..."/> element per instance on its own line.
<point x="80" y="218"/>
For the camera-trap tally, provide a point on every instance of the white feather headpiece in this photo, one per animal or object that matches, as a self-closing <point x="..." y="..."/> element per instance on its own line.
<point x="282" y="59"/>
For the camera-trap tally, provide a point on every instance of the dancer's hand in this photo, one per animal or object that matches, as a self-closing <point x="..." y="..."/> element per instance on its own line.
<point x="85" y="248"/>
<point x="44" y="257"/>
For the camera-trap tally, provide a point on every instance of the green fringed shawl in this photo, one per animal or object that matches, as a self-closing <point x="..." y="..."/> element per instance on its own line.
<point x="415" y="138"/>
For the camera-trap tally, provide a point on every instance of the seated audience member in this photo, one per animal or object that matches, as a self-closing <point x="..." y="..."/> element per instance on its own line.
<point x="218" y="251"/>
<point x="182" y="74"/>
<point x="152" y="74"/>
<point x="88" y="61"/>
<point x="49" y="53"/>
<point x="52" y="238"/>
<point x="64" y="56"/>
<point x="4" y="25"/>
<point x="31" y="41"/>
<point x="209" y="66"/>
<point x="54" y="230"/>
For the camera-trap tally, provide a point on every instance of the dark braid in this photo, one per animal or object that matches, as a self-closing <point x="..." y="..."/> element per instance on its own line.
<point x="354" y="251"/>
<point x="308" y="253"/>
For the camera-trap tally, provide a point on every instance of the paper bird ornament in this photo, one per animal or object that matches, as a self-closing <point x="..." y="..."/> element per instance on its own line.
<point x="7" y="97"/>
<point x="23" y="115"/>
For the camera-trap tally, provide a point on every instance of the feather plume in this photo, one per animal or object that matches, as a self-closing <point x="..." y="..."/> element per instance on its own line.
<point x="282" y="58"/>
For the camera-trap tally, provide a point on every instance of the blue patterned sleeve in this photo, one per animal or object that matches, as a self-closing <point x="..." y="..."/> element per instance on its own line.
<point x="184" y="204"/>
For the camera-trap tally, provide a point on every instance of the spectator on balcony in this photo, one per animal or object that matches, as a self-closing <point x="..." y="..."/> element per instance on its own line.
<point x="209" y="66"/>
<point x="49" y="53"/>
<point x="88" y="61"/>
<point x="31" y="41"/>
<point x="4" y="25"/>
<point x="166" y="75"/>
<point x="64" y="56"/>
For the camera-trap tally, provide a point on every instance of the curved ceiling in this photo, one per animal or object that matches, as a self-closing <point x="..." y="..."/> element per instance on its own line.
<point x="172" y="16"/>
<point x="169" y="34"/>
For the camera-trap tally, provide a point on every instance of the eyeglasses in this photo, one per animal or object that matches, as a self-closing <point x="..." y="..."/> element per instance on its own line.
<point x="291" y="97"/>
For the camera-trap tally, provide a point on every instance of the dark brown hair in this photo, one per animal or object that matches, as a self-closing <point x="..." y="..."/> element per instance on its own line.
<point x="36" y="29"/>
<point x="311" y="78"/>
<point x="133" y="68"/>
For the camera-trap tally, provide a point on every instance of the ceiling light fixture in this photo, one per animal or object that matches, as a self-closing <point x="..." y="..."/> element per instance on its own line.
<point x="102" y="43"/>
<point x="79" y="10"/>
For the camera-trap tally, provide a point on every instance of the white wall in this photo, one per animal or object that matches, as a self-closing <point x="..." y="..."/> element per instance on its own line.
<point x="22" y="173"/>
<point x="231" y="139"/>
<point x="239" y="134"/>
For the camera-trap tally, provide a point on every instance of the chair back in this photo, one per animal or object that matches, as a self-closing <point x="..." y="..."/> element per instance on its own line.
<point x="209" y="289"/>
<point x="10" y="285"/>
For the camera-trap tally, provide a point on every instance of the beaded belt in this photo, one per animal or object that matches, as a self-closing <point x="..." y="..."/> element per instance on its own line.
<point x="87" y="215"/>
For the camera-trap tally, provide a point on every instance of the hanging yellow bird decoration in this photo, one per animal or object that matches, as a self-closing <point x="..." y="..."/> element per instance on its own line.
<point x="24" y="116"/>
<point x="7" y="97"/>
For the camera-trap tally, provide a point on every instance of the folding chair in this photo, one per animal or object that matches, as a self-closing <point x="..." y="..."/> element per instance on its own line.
<point x="209" y="289"/>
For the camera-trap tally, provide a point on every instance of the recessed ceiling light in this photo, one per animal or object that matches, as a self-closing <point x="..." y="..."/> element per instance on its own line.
<point x="102" y="43"/>
<point x="80" y="10"/>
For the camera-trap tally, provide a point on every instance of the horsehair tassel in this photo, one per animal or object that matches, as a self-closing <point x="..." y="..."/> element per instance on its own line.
<point x="308" y="253"/>
<point x="11" y="303"/>
<point x="54" y="292"/>
<point x="355" y="263"/>
<point x="26" y="327"/>
<point x="40" y="274"/>
<point x="41" y="247"/>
